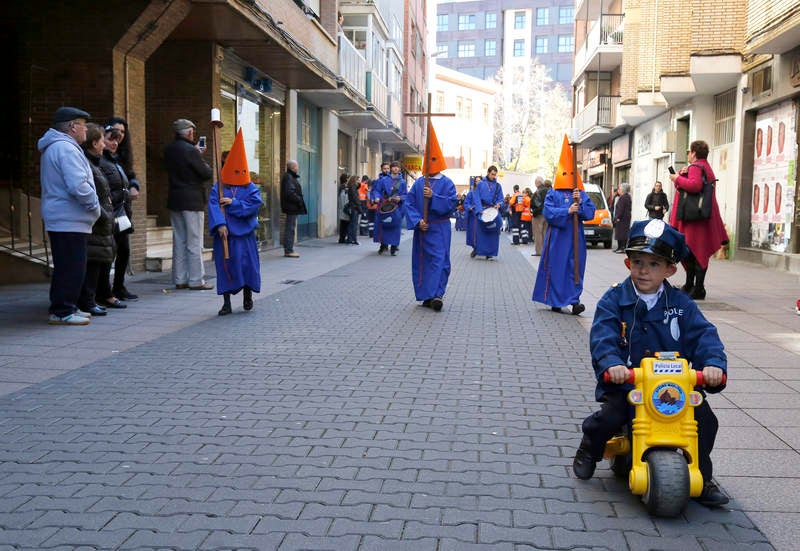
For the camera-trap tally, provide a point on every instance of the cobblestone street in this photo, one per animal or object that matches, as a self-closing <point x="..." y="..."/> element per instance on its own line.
<point x="339" y="415"/>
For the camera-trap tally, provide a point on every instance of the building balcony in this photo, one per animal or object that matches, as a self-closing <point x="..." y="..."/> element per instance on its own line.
<point x="648" y="105"/>
<point x="708" y="75"/>
<point x="351" y="90"/>
<point x="772" y="27"/>
<point x="377" y="94"/>
<point x="596" y="122"/>
<point x="602" y="49"/>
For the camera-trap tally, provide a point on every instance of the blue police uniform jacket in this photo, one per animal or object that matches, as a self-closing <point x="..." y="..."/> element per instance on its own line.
<point x="675" y="323"/>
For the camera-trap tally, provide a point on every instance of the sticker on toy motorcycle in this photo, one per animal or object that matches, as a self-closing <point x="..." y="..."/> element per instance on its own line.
<point x="668" y="398"/>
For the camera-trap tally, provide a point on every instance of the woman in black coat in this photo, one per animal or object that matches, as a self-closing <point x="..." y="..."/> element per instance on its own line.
<point x="100" y="252"/>
<point x="622" y="217"/>
<point x="656" y="203"/>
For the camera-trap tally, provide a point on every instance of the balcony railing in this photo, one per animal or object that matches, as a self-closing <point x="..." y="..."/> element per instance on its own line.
<point x="377" y="93"/>
<point x="600" y="111"/>
<point x="606" y="31"/>
<point x="352" y="66"/>
<point x="395" y="111"/>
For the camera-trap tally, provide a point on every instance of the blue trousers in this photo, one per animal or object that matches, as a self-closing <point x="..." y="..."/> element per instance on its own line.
<point x="69" y="270"/>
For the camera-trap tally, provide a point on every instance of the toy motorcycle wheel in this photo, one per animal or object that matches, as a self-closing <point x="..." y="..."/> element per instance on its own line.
<point x="668" y="483"/>
<point x="621" y="465"/>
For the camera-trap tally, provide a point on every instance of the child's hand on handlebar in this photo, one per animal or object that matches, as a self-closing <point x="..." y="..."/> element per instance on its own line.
<point x="712" y="375"/>
<point x="618" y="374"/>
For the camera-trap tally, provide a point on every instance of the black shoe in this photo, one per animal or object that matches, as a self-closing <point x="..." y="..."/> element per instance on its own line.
<point x="555" y="309"/>
<point x="393" y="250"/>
<point x="426" y="303"/>
<point x="583" y="465"/>
<point x="225" y="310"/>
<point x="711" y="496"/>
<point x="687" y="289"/>
<point x="382" y="249"/>
<point x="247" y="303"/>
<point x="114" y="303"/>
<point x="698" y="293"/>
<point x="96" y="310"/>
<point x="473" y="254"/>
<point x="437" y="303"/>
<point x="577" y="308"/>
<point x="124" y="294"/>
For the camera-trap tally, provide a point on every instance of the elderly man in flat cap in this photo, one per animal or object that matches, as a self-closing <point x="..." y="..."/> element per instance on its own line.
<point x="69" y="209"/>
<point x="186" y="201"/>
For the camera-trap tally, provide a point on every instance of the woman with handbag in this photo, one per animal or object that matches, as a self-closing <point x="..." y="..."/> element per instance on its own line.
<point x="704" y="236"/>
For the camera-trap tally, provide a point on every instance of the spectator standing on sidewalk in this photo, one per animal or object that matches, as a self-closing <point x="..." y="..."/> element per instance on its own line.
<point x="537" y="206"/>
<point x="186" y="201"/>
<point x="656" y="202"/>
<point x="69" y="209"/>
<point x="120" y="152"/>
<point x="341" y="208"/>
<point x="292" y="205"/>
<point x="354" y="208"/>
<point x="622" y="216"/>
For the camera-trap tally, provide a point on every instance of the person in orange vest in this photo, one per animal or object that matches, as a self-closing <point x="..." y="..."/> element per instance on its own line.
<point x="526" y="216"/>
<point x="363" y="198"/>
<point x="517" y="206"/>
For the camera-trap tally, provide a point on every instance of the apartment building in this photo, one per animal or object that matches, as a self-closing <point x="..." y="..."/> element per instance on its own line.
<point x="478" y="37"/>
<point x="299" y="85"/>
<point x="650" y="77"/>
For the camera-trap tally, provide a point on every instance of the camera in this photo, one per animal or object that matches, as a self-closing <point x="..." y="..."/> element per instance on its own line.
<point x="202" y="142"/>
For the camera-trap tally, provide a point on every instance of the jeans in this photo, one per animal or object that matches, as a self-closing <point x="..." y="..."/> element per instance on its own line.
<point x="187" y="247"/>
<point x="289" y="228"/>
<point x="69" y="270"/>
<point x="352" y="228"/>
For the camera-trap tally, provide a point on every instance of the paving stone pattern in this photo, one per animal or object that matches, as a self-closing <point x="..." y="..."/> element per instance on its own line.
<point x="337" y="415"/>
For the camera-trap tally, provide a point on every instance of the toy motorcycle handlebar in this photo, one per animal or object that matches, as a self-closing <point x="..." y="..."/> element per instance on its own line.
<point x="632" y="377"/>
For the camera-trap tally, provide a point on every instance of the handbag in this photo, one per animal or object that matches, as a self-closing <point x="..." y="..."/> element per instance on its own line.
<point x="122" y="224"/>
<point x="696" y="206"/>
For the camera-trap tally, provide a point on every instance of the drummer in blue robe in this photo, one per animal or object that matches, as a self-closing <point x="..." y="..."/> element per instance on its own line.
<point x="555" y="278"/>
<point x="488" y="193"/>
<point x="240" y="200"/>
<point x="389" y="191"/>
<point x="430" y="254"/>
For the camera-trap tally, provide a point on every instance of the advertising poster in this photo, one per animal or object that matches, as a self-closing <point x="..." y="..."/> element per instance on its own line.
<point x="774" y="183"/>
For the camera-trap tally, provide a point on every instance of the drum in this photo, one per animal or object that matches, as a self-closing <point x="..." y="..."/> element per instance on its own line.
<point x="490" y="218"/>
<point x="389" y="215"/>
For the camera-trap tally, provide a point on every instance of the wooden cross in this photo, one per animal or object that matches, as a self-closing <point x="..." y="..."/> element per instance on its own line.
<point x="427" y="115"/>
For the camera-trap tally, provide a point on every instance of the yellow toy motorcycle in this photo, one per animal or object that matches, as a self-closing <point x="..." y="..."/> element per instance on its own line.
<point x="658" y="452"/>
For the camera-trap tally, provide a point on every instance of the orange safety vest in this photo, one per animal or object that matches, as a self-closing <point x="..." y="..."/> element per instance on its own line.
<point x="362" y="192"/>
<point x="516" y="202"/>
<point x="527" y="214"/>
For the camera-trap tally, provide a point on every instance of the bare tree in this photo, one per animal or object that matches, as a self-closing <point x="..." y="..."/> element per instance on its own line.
<point x="532" y="114"/>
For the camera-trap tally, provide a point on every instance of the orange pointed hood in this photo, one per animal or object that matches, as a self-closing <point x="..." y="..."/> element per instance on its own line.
<point x="565" y="172"/>
<point x="235" y="172"/>
<point x="434" y="160"/>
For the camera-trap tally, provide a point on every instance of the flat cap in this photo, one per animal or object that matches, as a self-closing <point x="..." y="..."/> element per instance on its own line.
<point x="66" y="114"/>
<point x="182" y="124"/>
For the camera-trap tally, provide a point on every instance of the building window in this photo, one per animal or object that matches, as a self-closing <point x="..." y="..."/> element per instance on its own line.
<point x="566" y="44"/>
<point x="468" y="109"/>
<point x="542" y="16"/>
<point x="490" y="48"/>
<point x="491" y="20"/>
<point x="466" y="49"/>
<point x="441" y="22"/>
<point x="460" y="107"/>
<point x="438" y="102"/>
<point x="466" y="22"/>
<point x="519" y="19"/>
<point x="441" y="50"/>
<point x="724" y="117"/>
<point x="541" y="44"/>
<point x="566" y="16"/>
<point x="486" y="113"/>
<point x="519" y="47"/>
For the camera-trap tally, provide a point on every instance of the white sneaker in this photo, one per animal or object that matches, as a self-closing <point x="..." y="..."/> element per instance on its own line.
<point x="82" y="314"/>
<point x="71" y="319"/>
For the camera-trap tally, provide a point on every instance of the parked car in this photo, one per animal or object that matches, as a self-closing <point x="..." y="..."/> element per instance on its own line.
<point x="599" y="229"/>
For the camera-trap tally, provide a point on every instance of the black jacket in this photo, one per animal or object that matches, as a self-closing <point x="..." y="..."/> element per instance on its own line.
<point x="537" y="201"/>
<point x="292" y="194"/>
<point x="118" y="183"/>
<point x="656" y="199"/>
<point x="188" y="174"/>
<point x="101" y="242"/>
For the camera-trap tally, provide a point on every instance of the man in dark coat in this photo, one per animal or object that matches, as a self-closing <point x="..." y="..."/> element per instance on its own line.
<point x="622" y="217"/>
<point x="186" y="201"/>
<point x="292" y="205"/>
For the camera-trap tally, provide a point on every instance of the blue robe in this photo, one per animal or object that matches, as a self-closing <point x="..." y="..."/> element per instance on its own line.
<point x="430" y="253"/>
<point x="384" y="188"/>
<point x="469" y="209"/>
<point x="555" y="278"/>
<point x="241" y="217"/>
<point x="487" y="194"/>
